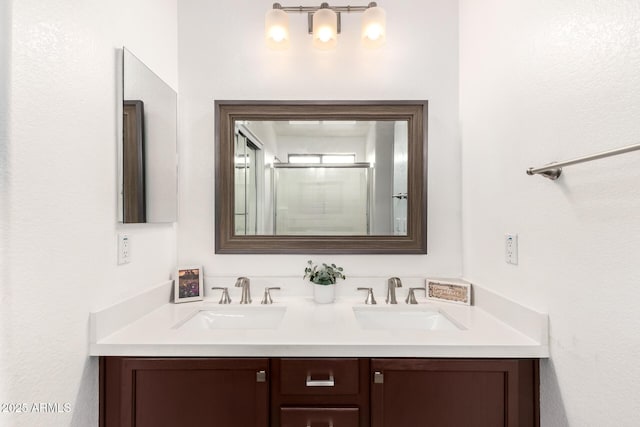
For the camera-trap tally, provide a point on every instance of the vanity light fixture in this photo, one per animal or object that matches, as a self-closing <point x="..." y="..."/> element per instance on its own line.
<point x="277" y="28"/>
<point x="325" y="28"/>
<point x="324" y="24"/>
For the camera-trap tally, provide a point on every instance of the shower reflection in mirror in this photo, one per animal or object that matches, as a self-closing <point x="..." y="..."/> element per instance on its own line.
<point x="339" y="177"/>
<point x="247" y="190"/>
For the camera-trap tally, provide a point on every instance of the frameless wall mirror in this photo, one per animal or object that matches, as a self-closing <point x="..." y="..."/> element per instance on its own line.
<point x="148" y="152"/>
<point x="329" y="177"/>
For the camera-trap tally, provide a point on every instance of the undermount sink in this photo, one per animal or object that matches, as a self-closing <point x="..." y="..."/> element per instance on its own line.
<point x="234" y="317"/>
<point x="403" y="317"/>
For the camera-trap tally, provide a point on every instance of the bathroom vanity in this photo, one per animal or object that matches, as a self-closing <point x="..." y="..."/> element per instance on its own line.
<point x="339" y="392"/>
<point x="297" y="363"/>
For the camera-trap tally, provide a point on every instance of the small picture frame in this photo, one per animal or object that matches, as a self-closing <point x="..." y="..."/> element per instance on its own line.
<point x="455" y="291"/>
<point x="188" y="284"/>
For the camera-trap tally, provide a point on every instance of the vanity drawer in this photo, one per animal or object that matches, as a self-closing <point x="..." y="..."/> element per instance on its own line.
<point x="319" y="377"/>
<point x="319" y="417"/>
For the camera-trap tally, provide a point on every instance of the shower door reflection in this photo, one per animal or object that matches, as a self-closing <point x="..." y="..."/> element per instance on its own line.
<point x="399" y="178"/>
<point x="245" y="186"/>
<point x="321" y="199"/>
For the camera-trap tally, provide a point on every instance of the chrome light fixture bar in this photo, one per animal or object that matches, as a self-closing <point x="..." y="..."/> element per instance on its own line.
<point x="324" y="24"/>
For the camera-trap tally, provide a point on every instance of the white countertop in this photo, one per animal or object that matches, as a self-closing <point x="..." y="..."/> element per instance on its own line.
<point x="320" y="330"/>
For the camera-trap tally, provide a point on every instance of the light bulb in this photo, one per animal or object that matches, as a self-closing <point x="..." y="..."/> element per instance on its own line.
<point x="324" y="34"/>
<point x="373" y="31"/>
<point x="277" y="34"/>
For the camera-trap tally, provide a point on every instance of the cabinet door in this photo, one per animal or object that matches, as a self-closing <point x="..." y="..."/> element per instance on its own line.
<point x="443" y="392"/>
<point x="184" y="392"/>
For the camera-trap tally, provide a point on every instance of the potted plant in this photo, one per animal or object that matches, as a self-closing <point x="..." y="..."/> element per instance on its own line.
<point x="324" y="279"/>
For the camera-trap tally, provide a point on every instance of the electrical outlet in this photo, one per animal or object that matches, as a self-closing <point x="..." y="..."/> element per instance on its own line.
<point x="511" y="248"/>
<point x="124" y="252"/>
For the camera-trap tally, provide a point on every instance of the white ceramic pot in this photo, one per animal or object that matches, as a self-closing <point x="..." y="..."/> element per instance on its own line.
<point x="324" y="294"/>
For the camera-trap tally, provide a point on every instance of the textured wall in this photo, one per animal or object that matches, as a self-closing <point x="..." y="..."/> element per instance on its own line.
<point x="223" y="56"/>
<point x="5" y="75"/>
<point x="59" y="194"/>
<point x="544" y="81"/>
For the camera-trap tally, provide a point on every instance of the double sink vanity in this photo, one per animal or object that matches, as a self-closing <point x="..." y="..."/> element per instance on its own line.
<point x="409" y="317"/>
<point x="306" y="177"/>
<point x="299" y="363"/>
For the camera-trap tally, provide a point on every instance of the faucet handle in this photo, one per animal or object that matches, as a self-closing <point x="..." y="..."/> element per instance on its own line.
<point x="370" y="299"/>
<point x="267" y="295"/>
<point x="411" y="297"/>
<point x="224" y="299"/>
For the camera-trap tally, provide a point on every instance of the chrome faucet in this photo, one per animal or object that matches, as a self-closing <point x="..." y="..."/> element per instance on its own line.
<point x="392" y="284"/>
<point x="243" y="282"/>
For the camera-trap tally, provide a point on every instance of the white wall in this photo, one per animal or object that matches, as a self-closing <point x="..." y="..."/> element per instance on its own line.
<point x="59" y="194"/>
<point x="222" y="55"/>
<point x="5" y="49"/>
<point x="544" y="81"/>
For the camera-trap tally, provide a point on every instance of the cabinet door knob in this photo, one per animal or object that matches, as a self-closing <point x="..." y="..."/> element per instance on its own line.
<point x="378" y="377"/>
<point x="330" y="382"/>
<point x="261" y="376"/>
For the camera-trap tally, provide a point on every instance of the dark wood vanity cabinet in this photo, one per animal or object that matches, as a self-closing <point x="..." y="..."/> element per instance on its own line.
<point x="189" y="392"/>
<point x="454" y="392"/>
<point x="310" y="392"/>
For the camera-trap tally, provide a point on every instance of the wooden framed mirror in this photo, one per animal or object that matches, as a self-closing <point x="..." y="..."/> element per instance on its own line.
<point x="340" y="177"/>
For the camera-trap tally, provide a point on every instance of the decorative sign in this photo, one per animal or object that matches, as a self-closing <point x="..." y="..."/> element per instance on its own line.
<point x="449" y="290"/>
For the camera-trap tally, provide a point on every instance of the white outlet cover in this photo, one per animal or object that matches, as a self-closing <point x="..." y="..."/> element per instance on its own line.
<point x="511" y="248"/>
<point x="124" y="252"/>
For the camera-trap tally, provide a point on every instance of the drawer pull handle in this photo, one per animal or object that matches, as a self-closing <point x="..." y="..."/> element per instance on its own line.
<point x="314" y="424"/>
<point x="320" y="383"/>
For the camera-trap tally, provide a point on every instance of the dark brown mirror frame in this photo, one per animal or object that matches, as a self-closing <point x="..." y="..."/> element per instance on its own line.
<point x="228" y="112"/>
